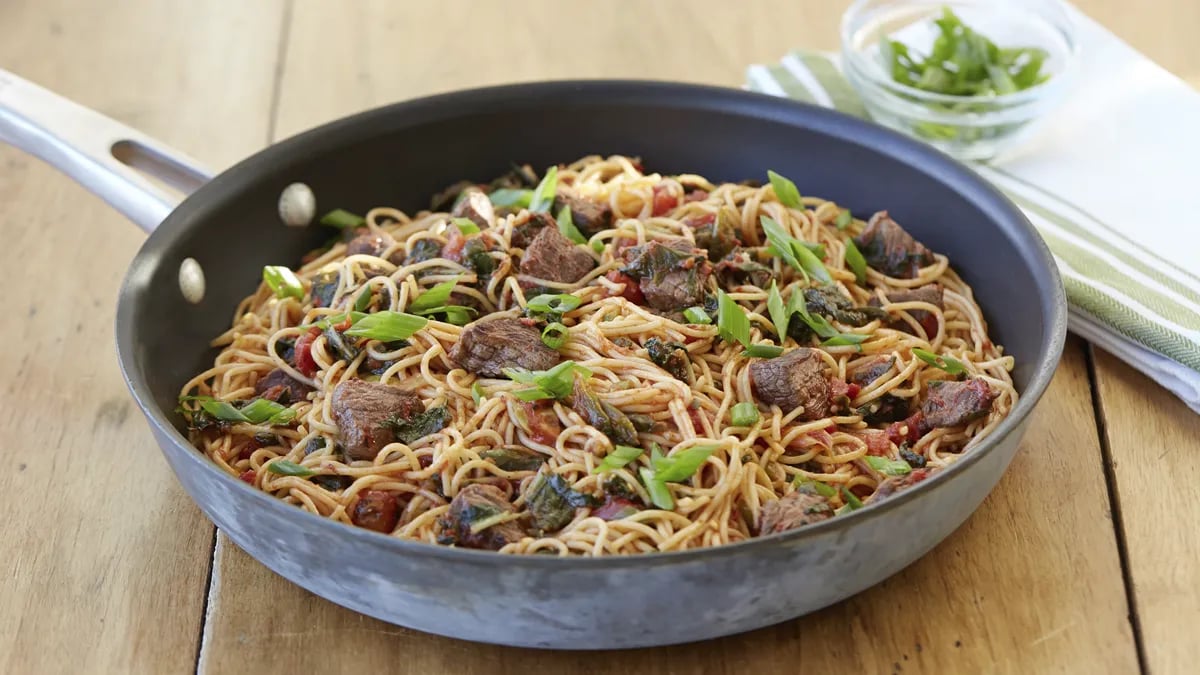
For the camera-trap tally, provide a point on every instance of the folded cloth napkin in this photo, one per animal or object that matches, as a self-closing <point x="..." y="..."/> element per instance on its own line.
<point x="1108" y="181"/>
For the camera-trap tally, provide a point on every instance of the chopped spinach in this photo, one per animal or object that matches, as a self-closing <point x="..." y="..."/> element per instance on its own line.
<point x="602" y="415"/>
<point x="324" y="287"/>
<point x="552" y="502"/>
<point x="829" y="301"/>
<point x="514" y="458"/>
<point x="410" y="430"/>
<point x="671" y="357"/>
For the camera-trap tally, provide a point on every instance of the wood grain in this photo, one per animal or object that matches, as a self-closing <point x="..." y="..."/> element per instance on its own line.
<point x="1153" y="444"/>
<point x="105" y="559"/>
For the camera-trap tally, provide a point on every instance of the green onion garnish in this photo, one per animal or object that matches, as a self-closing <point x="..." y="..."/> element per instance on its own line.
<point x="780" y="316"/>
<point x="853" y="503"/>
<point x="681" y="465"/>
<point x="763" y="351"/>
<point x="258" y="411"/>
<point x="823" y="489"/>
<point x="843" y="219"/>
<point x="780" y="241"/>
<point x="732" y="323"/>
<point x="891" y="467"/>
<point x="846" y="339"/>
<point x="459" y="315"/>
<point x="387" y="326"/>
<point x="785" y="190"/>
<point x="696" y="315"/>
<point x="283" y="282"/>
<point x="285" y="468"/>
<point x="343" y="219"/>
<point x="434" y="297"/>
<point x="811" y="263"/>
<point x="660" y="495"/>
<point x="553" y="304"/>
<point x="946" y="363"/>
<point x="619" y="457"/>
<point x="465" y="225"/>
<point x="363" y="301"/>
<point x="511" y="198"/>
<point x="543" y="194"/>
<point x="554" y="383"/>
<point x="856" y="262"/>
<point x="477" y="393"/>
<point x="567" y="226"/>
<point x="819" y="324"/>
<point x="554" y="335"/>
<point x="743" y="414"/>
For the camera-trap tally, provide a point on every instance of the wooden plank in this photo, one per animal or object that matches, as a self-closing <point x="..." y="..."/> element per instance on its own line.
<point x="1018" y="589"/>
<point x="1153" y="440"/>
<point x="105" y="559"/>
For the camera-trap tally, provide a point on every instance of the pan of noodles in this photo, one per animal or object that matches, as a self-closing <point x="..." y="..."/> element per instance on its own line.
<point x="578" y="365"/>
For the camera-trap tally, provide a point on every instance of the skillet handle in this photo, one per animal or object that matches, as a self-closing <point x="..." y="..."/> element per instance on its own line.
<point x="99" y="153"/>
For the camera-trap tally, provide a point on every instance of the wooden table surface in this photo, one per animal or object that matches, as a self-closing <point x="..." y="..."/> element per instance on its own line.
<point x="1084" y="559"/>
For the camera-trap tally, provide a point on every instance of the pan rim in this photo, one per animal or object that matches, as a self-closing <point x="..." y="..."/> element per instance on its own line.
<point x="913" y="154"/>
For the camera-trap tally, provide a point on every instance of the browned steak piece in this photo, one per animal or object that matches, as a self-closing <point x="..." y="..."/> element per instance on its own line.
<point x="371" y="243"/>
<point x="896" y="484"/>
<point x="866" y="373"/>
<point x="802" y="507"/>
<point x="487" y="348"/>
<point x="361" y="409"/>
<point x="475" y="206"/>
<point x="588" y="216"/>
<point x="889" y="249"/>
<point x="475" y="505"/>
<point x="376" y="510"/>
<point x="553" y="257"/>
<point x="796" y="379"/>
<point x="527" y="226"/>
<point x="949" y="404"/>
<point x="280" y="387"/>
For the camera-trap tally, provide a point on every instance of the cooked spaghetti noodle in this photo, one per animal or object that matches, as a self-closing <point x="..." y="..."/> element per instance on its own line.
<point x="839" y="461"/>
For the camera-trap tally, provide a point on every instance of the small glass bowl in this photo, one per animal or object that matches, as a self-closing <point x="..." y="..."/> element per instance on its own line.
<point x="967" y="127"/>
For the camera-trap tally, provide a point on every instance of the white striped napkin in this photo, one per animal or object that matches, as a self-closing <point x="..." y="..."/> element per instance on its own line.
<point x="1108" y="182"/>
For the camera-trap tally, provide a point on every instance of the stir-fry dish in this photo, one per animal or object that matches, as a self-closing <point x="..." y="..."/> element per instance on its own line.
<point x="599" y="360"/>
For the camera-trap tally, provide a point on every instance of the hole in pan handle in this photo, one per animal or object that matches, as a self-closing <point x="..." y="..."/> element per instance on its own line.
<point x="101" y="154"/>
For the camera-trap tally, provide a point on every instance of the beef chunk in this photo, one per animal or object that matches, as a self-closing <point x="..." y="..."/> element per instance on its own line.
<point x="376" y="510"/>
<point x="278" y="386"/>
<point x="362" y="411"/>
<point x="796" y="379"/>
<point x="371" y="243"/>
<point x="487" y="348"/>
<point x="802" y="507"/>
<point x="528" y="225"/>
<point x="476" y="505"/>
<point x="475" y="207"/>
<point x="866" y="373"/>
<point x="949" y="404"/>
<point x="931" y="293"/>
<point x="739" y="268"/>
<point x="669" y="276"/>
<point x="587" y="215"/>
<point x="889" y="249"/>
<point x="896" y="484"/>
<point x="553" y="257"/>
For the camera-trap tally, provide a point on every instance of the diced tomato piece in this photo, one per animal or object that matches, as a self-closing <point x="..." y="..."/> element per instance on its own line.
<point x="249" y="476"/>
<point x="622" y="243"/>
<point x="852" y="390"/>
<point x="664" y="201"/>
<point x="877" y="441"/>
<point x="303" y="353"/>
<point x="700" y="220"/>
<point x="910" y="430"/>
<point x="695" y="196"/>
<point x="632" y="292"/>
<point x="697" y="423"/>
<point x="615" y="508"/>
<point x="543" y="427"/>
<point x="837" y="389"/>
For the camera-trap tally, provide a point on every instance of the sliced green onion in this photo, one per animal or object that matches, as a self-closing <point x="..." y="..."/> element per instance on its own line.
<point x="732" y="323"/>
<point x="780" y="316"/>
<point x="558" y="304"/>
<point x="744" y="414"/>
<point x="846" y="339"/>
<point x="343" y="219"/>
<point x="283" y="282"/>
<point x="262" y="410"/>
<point x="554" y="335"/>
<point x="817" y="249"/>
<point x="286" y="468"/>
<point x="660" y="495"/>
<point x="946" y="363"/>
<point x="459" y="315"/>
<point x="696" y="315"/>
<point x="843" y="219"/>
<point x="823" y="489"/>
<point x="856" y="262"/>
<point x="434" y="297"/>
<point x="477" y="393"/>
<point x="543" y="194"/>
<point x="682" y="465"/>
<point x="811" y="264"/>
<point x="619" y="457"/>
<point x="511" y="198"/>
<point x="819" y="324"/>
<point x="891" y="467"/>
<point x="363" y="301"/>
<point x="535" y="394"/>
<point x="763" y="351"/>
<point x="853" y="503"/>
<point x="785" y="191"/>
<point x="780" y="241"/>
<point x="387" y="326"/>
<point x="554" y="383"/>
<point x="567" y="226"/>
<point x="465" y="225"/>
<point x="598" y="246"/>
